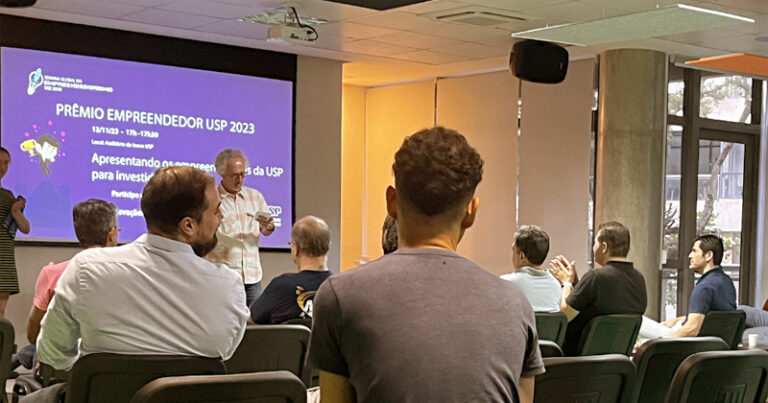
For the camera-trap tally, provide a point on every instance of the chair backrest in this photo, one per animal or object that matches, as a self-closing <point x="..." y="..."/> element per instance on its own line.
<point x="606" y="378"/>
<point x="272" y="348"/>
<point x="657" y="360"/>
<point x="114" y="378"/>
<point x="7" y="337"/>
<point x="721" y="376"/>
<point x="300" y="321"/>
<point x="727" y="325"/>
<point x="610" y="334"/>
<point x="549" y="348"/>
<point x="551" y="326"/>
<point x="277" y="386"/>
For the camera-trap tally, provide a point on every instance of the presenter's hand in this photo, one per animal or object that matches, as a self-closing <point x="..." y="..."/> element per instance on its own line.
<point x="267" y="224"/>
<point x="18" y="205"/>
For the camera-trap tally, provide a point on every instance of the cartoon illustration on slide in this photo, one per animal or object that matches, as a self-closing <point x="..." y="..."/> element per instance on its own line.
<point x="35" y="80"/>
<point x="45" y="148"/>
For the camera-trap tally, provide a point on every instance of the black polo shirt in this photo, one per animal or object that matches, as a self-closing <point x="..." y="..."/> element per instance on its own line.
<point x="616" y="288"/>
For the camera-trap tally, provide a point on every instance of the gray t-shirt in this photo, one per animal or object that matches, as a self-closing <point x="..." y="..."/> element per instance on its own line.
<point x="542" y="290"/>
<point x="425" y="325"/>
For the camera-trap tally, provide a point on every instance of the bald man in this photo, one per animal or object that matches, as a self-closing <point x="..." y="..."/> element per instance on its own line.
<point x="290" y="295"/>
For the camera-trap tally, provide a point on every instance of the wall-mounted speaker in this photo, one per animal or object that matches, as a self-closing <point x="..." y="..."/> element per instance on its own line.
<point x="537" y="61"/>
<point x="17" y="3"/>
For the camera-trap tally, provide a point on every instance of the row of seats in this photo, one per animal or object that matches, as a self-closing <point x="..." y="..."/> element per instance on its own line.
<point x="669" y="373"/>
<point x="105" y="377"/>
<point x="616" y="334"/>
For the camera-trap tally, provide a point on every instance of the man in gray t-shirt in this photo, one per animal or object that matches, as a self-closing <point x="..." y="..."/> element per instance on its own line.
<point x="424" y="324"/>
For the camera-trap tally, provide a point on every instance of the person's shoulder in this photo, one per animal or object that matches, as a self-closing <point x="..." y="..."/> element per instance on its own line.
<point x="54" y="268"/>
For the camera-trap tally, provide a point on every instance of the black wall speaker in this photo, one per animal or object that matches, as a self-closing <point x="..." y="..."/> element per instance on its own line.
<point x="537" y="61"/>
<point x="17" y="3"/>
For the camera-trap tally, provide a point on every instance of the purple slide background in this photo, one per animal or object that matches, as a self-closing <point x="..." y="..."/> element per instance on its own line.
<point x="267" y="103"/>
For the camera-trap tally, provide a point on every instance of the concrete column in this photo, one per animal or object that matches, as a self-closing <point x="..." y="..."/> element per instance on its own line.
<point x="629" y="174"/>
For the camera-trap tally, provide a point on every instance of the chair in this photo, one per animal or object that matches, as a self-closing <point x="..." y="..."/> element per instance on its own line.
<point x="610" y="334"/>
<point x="550" y="349"/>
<point x="277" y="386"/>
<point x="551" y="326"/>
<point x="727" y="325"/>
<point x="721" y="376"/>
<point x="657" y="360"/>
<point x="272" y="348"/>
<point x="7" y="336"/>
<point x="300" y="321"/>
<point x="114" y="378"/>
<point x="606" y="378"/>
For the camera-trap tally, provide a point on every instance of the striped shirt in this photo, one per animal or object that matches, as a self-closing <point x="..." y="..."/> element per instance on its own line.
<point x="238" y="234"/>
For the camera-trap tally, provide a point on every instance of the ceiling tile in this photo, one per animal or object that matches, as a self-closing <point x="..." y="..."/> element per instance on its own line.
<point x="374" y="48"/>
<point x="333" y="11"/>
<point x="575" y="12"/>
<point x="141" y="3"/>
<point x="209" y="8"/>
<point x="237" y="29"/>
<point x="428" y="57"/>
<point x="474" y="51"/>
<point x="432" y="6"/>
<point x="486" y="36"/>
<point x="170" y="19"/>
<point x="91" y="8"/>
<point x="419" y="41"/>
<point x="397" y="20"/>
<point x="353" y="30"/>
<point x="756" y="6"/>
<point x="514" y="5"/>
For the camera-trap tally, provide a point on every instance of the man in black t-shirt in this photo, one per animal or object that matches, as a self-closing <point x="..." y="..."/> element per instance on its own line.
<point x="616" y="288"/>
<point x="291" y="295"/>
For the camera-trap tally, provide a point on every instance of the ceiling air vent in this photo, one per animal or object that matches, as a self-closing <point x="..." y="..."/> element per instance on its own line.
<point x="477" y="16"/>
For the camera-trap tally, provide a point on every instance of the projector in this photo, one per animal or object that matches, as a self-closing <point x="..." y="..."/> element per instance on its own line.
<point x="291" y="33"/>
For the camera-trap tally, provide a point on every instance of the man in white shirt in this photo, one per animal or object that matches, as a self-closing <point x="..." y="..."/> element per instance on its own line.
<point x="245" y="217"/>
<point x="155" y="295"/>
<point x="537" y="284"/>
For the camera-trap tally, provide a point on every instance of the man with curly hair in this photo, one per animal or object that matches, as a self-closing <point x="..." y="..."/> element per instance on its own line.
<point x="424" y="324"/>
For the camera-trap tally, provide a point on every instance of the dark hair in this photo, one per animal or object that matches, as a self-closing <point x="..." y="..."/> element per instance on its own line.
<point x="172" y="194"/>
<point x="93" y="219"/>
<point x="312" y="236"/>
<point x="389" y="235"/>
<point x="3" y="149"/>
<point x="711" y="243"/>
<point x="533" y="242"/>
<point x="616" y="236"/>
<point x="47" y="138"/>
<point x="436" y="171"/>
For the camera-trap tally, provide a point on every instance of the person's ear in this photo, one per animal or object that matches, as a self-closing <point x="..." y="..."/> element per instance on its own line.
<point x="470" y="212"/>
<point x="112" y="237"/>
<point x="187" y="226"/>
<point x="391" y="196"/>
<point x="709" y="256"/>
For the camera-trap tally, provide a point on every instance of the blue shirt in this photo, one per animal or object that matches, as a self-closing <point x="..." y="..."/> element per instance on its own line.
<point x="713" y="292"/>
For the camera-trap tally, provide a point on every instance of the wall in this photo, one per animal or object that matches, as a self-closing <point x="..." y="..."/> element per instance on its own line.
<point x="554" y="160"/>
<point x="352" y="175"/>
<point x="317" y="182"/>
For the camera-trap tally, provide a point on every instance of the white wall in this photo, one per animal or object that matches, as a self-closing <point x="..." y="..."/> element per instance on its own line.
<point x="317" y="182"/>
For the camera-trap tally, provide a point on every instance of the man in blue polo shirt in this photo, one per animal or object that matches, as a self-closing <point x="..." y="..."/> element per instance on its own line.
<point x="713" y="292"/>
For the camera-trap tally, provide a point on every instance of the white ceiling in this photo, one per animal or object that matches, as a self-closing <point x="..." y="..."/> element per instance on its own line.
<point x="405" y="44"/>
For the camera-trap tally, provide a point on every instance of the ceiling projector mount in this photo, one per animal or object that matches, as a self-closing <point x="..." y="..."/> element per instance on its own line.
<point x="286" y="25"/>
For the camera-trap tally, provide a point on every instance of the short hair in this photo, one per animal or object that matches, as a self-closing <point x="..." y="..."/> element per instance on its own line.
<point x="312" y="236"/>
<point x="223" y="157"/>
<point x="93" y="219"/>
<point x="711" y="243"/>
<point x="533" y="242"/>
<point x="173" y="193"/>
<point x="616" y="236"/>
<point x="436" y="171"/>
<point x="389" y="235"/>
<point x="47" y="138"/>
<point x="3" y="149"/>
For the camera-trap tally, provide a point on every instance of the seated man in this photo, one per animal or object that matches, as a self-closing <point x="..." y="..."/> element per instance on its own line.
<point x="423" y="324"/>
<point x="616" y="288"/>
<point x="528" y="253"/>
<point x="290" y="295"/>
<point x="95" y="224"/>
<point x="713" y="292"/>
<point x="156" y="295"/>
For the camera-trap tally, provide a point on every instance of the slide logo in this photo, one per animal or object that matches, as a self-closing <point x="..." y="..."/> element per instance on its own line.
<point x="35" y="80"/>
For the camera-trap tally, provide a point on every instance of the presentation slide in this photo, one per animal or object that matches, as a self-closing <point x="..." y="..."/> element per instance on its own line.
<point x="81" y="127"/>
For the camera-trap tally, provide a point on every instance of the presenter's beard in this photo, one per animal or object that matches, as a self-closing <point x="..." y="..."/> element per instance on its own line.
<point x="201" y="248"/>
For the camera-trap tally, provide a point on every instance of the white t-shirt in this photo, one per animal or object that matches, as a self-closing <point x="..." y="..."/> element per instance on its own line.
<point x="539" y="286"/>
